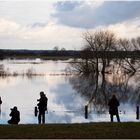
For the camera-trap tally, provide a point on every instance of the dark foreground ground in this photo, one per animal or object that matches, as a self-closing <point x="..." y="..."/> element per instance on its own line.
<point x="87" y="130"/>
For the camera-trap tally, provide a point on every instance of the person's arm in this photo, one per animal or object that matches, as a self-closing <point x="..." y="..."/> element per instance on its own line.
<point x="18" y="116"/>
<point x="109" y="103"/>
<point x="118" y="103"/>
<point x="11" y="114"/>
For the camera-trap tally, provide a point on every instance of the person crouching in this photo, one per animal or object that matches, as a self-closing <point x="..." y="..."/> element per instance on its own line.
<point x="15" y="116"/>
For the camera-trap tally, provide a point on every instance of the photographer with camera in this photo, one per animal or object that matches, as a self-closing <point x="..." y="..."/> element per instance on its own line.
<point x="15" y="116"/>
<point x="42" y="107"/>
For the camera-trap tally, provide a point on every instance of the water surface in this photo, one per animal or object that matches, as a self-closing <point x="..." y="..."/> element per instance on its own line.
<point x="65" y="103"/>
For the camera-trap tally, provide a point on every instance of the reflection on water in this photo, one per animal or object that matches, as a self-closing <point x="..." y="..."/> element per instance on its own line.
<point x="67" y="95"/>
<point x="64" y="105"/>
<point x="98" y="89"/>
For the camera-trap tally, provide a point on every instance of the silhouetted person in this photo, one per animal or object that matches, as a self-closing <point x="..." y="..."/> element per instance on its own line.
<point x="0" y="105"/>
<point x="42" y="107"/>
<point x="0" y="101"/>
<point x="15" y="116"/>
<point x="113" y="108"/>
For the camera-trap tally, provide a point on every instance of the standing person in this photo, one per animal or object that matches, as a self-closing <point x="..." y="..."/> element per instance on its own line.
<point x="15" y="116"/>
<point x="42" y="107"/>
<point x="113" y="108"/>
<point x="0" y="105"/>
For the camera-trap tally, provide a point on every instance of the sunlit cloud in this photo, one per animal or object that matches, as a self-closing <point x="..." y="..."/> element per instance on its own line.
<point x="45" y="37"/>
<point x="46" y="24"/>
<point x="127" y="29"/>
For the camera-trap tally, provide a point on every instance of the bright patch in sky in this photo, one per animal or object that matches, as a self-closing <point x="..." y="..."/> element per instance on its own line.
<point x="40" y="24"/>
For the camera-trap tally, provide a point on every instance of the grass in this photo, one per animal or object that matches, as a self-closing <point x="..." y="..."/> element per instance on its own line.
<point x="129" y="130"/>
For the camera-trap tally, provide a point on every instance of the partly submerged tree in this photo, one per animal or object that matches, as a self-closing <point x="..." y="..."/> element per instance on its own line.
<point x="130" y="65"/>
<point x="94" y="57"/>
<point x="99" y="41"/>
<point x="94" y="64"/>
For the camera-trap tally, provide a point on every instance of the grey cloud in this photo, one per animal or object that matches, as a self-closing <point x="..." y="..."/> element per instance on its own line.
<point x="114" y="12"/>
<point x="66" y="6"/>
<point x="38" y="25"/>
<point x="86" y="16"/>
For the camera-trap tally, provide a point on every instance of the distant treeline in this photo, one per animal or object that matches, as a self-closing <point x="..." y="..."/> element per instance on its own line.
<point x="46" y="54"/>
<point x="111" y="54"/>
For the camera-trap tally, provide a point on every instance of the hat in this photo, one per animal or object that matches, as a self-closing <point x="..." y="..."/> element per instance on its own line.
<point x="113" y="95"/>
<point x="15" y="108"/>
<point x="41" y="93"/>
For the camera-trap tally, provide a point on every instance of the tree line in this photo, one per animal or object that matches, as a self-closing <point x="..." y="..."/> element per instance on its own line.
<point x="43" y="54"/>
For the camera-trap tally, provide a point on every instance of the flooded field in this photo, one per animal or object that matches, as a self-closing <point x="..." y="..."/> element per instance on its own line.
<point x="66" y="93"/>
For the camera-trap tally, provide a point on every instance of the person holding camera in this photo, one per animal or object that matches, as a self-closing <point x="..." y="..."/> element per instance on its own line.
<point x="15" y="116"/>
<point x="42" y="107"/>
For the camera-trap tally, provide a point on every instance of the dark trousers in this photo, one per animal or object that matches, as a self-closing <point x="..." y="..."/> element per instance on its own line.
<point x="117" y="115"/>
<point x="41" y="116"/>
<point x="12" y="122"/>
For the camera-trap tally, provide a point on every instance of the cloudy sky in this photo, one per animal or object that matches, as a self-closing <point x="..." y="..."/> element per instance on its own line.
<point x="44" y="24"/>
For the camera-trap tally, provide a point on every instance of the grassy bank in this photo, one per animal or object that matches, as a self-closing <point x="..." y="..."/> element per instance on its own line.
<point x="87" y="130"/>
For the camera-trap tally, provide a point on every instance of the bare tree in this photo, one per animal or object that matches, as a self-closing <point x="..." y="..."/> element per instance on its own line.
<point x="95" y="42"/>
<point x="128" y="64"/>
<point x="94" y="53"/>
<point x="136" y="43"/>
<point x="62" y="49"/>
<point x="56" y="48"/>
